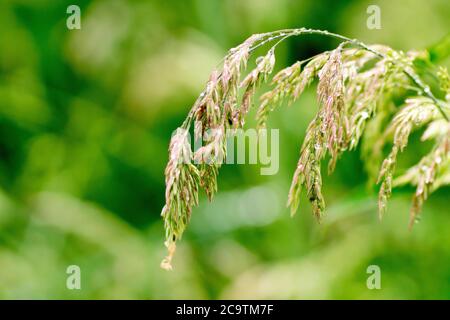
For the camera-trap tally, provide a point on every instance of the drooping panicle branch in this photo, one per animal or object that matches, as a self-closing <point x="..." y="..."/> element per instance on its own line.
<point x="356" y="83"/>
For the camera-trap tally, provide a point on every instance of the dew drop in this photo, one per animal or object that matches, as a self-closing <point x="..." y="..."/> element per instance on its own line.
<point x="364" y="115"/>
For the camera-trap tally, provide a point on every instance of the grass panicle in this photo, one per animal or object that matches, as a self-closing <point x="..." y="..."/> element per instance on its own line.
<point x="356" y="87"/>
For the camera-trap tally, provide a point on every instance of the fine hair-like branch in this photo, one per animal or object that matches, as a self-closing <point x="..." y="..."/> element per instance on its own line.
<point x="356" y="82"/>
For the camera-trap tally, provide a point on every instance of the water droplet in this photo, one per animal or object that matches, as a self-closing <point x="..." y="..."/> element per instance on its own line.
<point x="364" y="115"/>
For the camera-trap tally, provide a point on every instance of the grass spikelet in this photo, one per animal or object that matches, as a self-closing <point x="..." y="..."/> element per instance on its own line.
<point x="263" y="68"/>
<point x="429" y="173"/>
<point x="182" y="181"/>
<point x="308" y="172"/>
<point x="210" y="157"/>
<point x="417" y="112"/>
<point x="330" y="93"/>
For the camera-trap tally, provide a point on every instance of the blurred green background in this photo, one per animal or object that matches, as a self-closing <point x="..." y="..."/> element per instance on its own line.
<point x="85" y="120"/>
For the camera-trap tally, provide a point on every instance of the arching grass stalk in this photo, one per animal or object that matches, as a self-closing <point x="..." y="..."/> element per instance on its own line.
<point x="355" y="87"/>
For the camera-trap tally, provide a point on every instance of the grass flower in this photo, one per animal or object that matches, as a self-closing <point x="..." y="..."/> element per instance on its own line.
<point x="355" y="90"/>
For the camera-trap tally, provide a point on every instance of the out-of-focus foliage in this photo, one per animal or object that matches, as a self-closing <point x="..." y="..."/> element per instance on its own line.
<point x="85" y="120"/>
